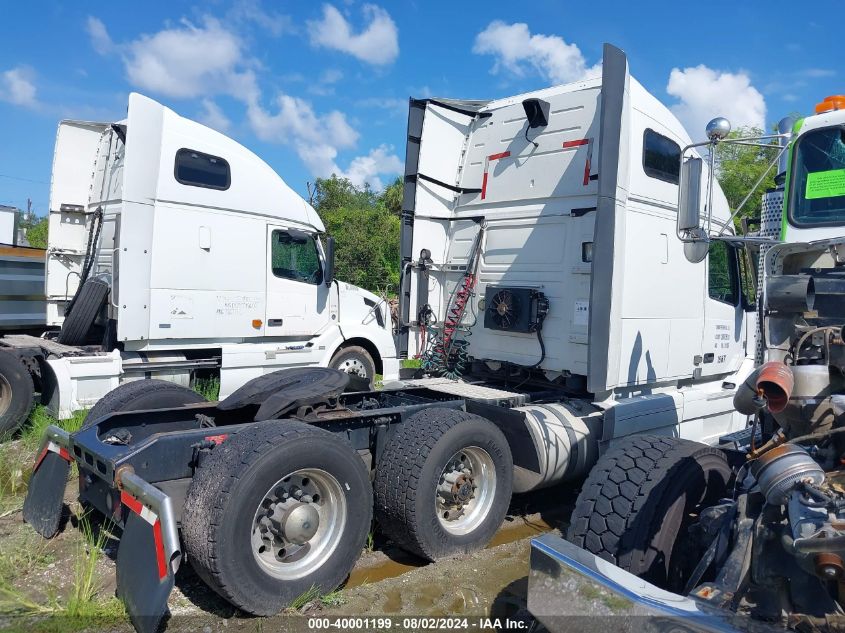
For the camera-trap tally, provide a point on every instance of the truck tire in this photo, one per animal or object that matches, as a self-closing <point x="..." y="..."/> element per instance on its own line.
<point x="16" y="394"/>
<point x="79" y="320"/>
<point x="357" y="361"/>
<point x="277" y="510"/>
<point x="430" y="505"/>
<point x="141" y="394"/>
<point x="638" y="499"/>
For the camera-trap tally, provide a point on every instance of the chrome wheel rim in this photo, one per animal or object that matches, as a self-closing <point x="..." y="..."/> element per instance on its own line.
<point x="465" y="490"/>
<point x="353" y="366"/>
<point x="5" y="394"/>
<point x="298" y="524"/>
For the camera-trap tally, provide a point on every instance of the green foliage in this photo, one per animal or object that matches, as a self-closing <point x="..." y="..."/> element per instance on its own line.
<point x="40" y="418"/>
<point x="36" y="232"/>
<point x="738" y="168"/>
<point x="208" y="388"/>
<point x="365" y="226"/>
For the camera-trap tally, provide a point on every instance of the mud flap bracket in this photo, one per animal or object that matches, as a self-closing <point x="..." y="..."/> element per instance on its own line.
<point x="148" y="556"/>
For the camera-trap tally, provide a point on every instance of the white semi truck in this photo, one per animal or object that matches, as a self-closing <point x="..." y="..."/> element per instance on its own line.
<point x="748" y="534"/>
<point x="539" y="266"/>
<point x="175" y="250"/>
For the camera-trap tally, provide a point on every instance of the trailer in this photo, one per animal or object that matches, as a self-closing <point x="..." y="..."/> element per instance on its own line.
<point x="553" y="315"/>
<point x="749" y="533"/>
<point x="175" y="252"/>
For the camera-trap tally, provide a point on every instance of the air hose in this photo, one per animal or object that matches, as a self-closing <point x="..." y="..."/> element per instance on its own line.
<point x="90" y="255"/>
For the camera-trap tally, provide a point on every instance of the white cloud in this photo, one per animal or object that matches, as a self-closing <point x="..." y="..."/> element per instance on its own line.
<point x="17" y="86"/>
<point x="367" y="169"/>
<point x="318" y="138"/>
<point x="705" y="93"/>
<point x="816" y="73"/>
<point x="315" y="138"/>
<point x="251" y="11"/>
<point x="377" y="43"/>
<point x="100" y="39"/>
<point x="324" y="86"/>
<point x="212" y="116"/>
<point x="183" y="62"/>
<point x="516" y="50"/>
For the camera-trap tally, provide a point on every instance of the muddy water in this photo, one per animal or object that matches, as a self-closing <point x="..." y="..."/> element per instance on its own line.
<point x="492" y="582"/>
<point x="396" y="563"/>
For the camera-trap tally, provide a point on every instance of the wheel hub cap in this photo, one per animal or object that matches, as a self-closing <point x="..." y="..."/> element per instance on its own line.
<point x="299" y="524"/>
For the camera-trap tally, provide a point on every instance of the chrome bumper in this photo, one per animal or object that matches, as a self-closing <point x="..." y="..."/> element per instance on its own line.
<point x="570" y="589"/>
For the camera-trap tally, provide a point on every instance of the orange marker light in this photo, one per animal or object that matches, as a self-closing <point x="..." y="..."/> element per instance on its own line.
<point x="257" y="323"/>
<point x="834" y="102"/>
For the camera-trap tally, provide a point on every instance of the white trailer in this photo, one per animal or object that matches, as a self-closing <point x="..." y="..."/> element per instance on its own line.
<point x="172" y="249"/>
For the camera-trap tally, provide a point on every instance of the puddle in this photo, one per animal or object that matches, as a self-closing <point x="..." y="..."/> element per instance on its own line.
<point x="400" y="563"/>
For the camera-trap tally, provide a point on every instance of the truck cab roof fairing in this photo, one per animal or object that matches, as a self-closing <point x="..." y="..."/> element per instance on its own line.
<point x="156" y="133"/>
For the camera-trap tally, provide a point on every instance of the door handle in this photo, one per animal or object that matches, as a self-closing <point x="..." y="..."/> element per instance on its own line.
<point x="274" y="322"/>
<point x="709" y="358"/>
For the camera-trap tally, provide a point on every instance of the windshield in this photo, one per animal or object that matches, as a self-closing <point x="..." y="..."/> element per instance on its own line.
<point x="818" y="177"/>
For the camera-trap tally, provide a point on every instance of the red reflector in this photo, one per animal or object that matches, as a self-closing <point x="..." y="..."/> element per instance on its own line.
<point x="578" y="143"/>
<point x="131" y="502"/>
<point x="160" y="558"/>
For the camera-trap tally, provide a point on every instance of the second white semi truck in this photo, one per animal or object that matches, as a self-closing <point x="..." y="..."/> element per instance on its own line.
<point x="175" y="251"/>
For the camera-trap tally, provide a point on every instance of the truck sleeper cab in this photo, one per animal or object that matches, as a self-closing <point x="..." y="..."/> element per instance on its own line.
<point x="174" y="250"/>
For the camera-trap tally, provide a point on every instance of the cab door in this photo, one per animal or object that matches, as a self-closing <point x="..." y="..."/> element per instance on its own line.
<point x="298" y="301"/>
<point x="723" y="344"/>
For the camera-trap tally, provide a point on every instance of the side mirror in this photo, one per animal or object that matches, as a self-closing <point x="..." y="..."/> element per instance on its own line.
<point x="689" y="195"/>
<point x="328" y="272"/>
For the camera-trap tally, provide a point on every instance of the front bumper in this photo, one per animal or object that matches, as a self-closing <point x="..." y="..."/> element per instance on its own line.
<point x="570" y="589"/>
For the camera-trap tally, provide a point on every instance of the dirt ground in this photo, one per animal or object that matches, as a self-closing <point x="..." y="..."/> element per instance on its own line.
<point x="40" y="580"/>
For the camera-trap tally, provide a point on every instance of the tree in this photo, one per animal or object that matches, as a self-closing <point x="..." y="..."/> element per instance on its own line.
<point x="36" y="232"/>
<point x="392" y="197"/>
<point x="738" y="168"/>
<point x="366" y="231"/>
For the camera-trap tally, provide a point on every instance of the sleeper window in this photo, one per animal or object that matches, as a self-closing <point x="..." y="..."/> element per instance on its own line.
<point x="661" y="157"/>
<point x="294" y="256"/>
<point x="202" y="170"/>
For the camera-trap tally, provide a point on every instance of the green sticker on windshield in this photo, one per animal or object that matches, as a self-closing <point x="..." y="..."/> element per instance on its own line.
<point x="825" y="184"/>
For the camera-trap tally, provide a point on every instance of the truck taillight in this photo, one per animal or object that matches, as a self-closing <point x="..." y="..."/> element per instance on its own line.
<point x="834" y="102"/>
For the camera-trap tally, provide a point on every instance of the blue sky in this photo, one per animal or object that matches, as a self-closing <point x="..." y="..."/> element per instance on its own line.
<point x="319" y="88"/>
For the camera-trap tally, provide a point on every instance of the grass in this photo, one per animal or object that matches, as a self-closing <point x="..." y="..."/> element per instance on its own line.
<point x="40" y="419"/>
<point x="80" y="607"/>
<point x="370" y="544"/>
<point x="208" y="388"/>
<point x="18" y="456"/>
<point x="411" y="363"/>
<point x="312" y="596"/>
<point x="333" y="599"/>
<point x="304" y="599"/>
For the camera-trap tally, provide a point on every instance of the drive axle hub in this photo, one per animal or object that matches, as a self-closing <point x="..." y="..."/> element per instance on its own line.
<point x="296" y="524"/>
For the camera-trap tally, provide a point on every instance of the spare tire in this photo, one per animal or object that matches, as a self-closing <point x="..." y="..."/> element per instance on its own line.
<point x="141" y="394"/>
<point x="636" y="504"/>
<point x="81" y="317"/>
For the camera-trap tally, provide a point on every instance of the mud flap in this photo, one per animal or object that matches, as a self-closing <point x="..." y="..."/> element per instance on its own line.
<point x="146" y="558"/>
<point x="43" y="505"/>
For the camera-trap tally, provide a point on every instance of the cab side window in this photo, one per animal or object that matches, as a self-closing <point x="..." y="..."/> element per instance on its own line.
<point x="294" y="255"/>
<point x="661" y="157"/>
<point x="722" y="280"/>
